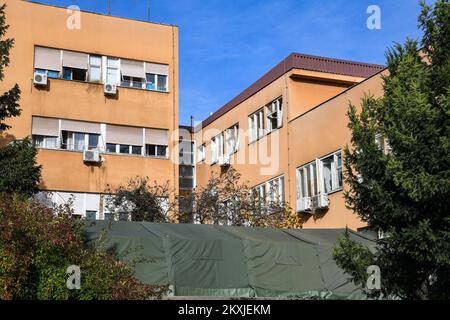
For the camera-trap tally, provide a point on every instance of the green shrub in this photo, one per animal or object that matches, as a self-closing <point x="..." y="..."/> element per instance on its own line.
<point x="37" y="244"/>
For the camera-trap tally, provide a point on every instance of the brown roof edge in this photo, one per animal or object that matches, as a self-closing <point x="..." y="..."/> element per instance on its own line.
<point x="298" y="61"/>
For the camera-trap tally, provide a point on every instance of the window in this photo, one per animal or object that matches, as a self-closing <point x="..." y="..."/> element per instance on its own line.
<point x="79" y="141"/>
<point x="233" y="139"/>
<point x="256" y="125"/>
<point x="136" y="150"/>
<point x="202" y="153"/>
<point x="217" y="147"/>
<point x="91" y="215"/>
<point x="186" y="176"/>
<point x="307" y="184"/>
<point x="270" y="191"/>
<point x="186" y="152"/>
<point x="124" y="149"/>
<point x="162" y="83"/>
<point x="111" y="147"/>
<point x="95" y="68"/>
<point x="331" y="167"/>
<point x="45" y="142"/>
<point x="132" y="82"/>
<point x="156" y="82"/>
<point x="274" y="115"/>
<point x="152" y="150"/>
<point x="383" y="144"/>
<point x="320" y="176"/>
<point x="259" y="192"/>
<point x="112" y="70"/>
<point x="74" y="74"/>
<point x="275" y="190"/>
<point x="150" y="81"/>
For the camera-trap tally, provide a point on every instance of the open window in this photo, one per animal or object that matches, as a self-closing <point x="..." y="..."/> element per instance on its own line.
<point x="75" y="65"/>
<point x="256" y="125"/>
<point x="232" y="139"/>
<point x="275" y="115"/>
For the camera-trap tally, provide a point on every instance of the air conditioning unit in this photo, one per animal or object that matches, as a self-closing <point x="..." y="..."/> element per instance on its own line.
<point x="320" y="201"/>
<point x="40" y="79"/>
<point x="91" y="156"/>
<point x="304" y="204"/>
<point x="110" y="89"/>
<point x="224" y="161"/>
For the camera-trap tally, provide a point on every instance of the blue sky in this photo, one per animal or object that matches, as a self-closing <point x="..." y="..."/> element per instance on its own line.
<point x="226" y="45"/>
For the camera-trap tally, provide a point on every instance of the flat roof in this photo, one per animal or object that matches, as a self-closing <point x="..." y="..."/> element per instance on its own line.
<point x="298" y="61"/>
<point x="98" y="13"/>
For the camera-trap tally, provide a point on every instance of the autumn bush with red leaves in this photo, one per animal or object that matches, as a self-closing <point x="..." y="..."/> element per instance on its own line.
<point x="37" y="244"/>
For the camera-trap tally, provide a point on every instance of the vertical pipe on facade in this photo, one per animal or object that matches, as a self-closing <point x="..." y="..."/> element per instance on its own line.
<point x="288" y="174"/>
<point x="175" y="124"/>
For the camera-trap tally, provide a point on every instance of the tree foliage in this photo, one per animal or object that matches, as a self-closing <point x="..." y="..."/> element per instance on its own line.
<point x="18" y="170"/>
<point x="37" y="244"/>
<point x="9" y="106"/>
<point x="404" y="192"/>
<point x="140" y="200"/>
<point x="225" y="199"/>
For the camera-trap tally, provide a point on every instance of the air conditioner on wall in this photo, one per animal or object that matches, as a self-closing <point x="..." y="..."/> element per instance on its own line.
<point x="91" y="156"/>
<point x="304" y="204"/>
<point x="224" y="160"/>
<point x="40" y="79"/>
<point x="110" y="89"/>
<point x="320" y="201"/>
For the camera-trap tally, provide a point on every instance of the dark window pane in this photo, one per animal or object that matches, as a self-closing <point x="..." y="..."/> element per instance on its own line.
<point x="162" y="151"/>
<point x="186" y="171"/>
<point x="110" y="147"/>
<point x="67" y="74"/>
<point x="108" y="216"/>
<point x="151" y="83"/>
<point x="136" y="149"/>
<point x="123" y="216"/>
<point x="79" y="74"/>
<point x="53" y="74"/>
<point x="126" y="82"/>
<point x="162" y="83"/>
<point x="137" y="83"/>
<point x="93" y="141"/>
<point x="124" y="148"/>
<point x="91" y="215"/>
<point x="150" y="150"/>
<point x="65" y="136"/>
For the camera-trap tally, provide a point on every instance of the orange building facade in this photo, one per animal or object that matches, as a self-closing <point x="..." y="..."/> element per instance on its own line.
<point x="286" y="132"/>
<point x="99" y="99"/>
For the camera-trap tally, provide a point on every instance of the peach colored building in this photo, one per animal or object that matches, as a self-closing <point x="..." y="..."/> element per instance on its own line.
<point x="99" y="98"/>
<point x="286" y="132"/>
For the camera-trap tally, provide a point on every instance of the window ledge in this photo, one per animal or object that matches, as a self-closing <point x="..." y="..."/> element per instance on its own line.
<point x="105" y="153"/>
<point x="101" y="84"/>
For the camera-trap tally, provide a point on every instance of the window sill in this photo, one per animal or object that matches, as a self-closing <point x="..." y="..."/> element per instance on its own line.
<point x="101" y="84"/>
<point x="105" y="153"/>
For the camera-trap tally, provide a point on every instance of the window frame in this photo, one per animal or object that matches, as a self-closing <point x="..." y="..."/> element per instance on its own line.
<point x="217" y="147"/>
<point x="157" y="147"/>
<point x="232" y="139"/>
<point x="276" y="106"/>
<point x="255" y="119"/>
<point x="85" y="145"/>
<point x="201" y="153"/>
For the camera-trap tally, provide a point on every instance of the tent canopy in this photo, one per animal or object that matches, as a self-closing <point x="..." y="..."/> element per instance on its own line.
<point x="210" y="260"/>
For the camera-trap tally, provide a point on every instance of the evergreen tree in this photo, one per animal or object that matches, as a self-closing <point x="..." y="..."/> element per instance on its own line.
<point x="403" y="191"/>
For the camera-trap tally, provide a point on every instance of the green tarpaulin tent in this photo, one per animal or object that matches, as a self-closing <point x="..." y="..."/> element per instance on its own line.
<point x="210" y="260"/>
